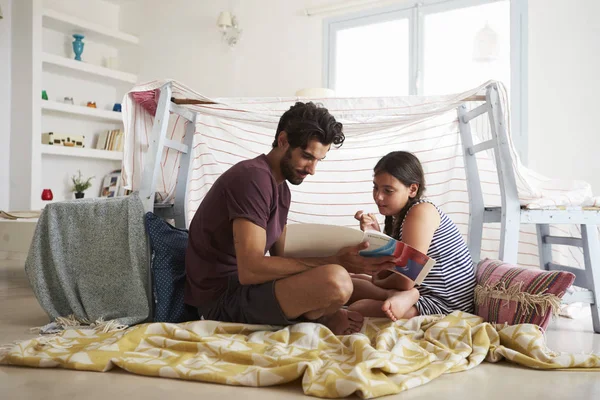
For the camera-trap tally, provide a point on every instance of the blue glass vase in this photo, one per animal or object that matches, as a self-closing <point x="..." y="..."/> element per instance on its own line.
<point x="78" y="46"/>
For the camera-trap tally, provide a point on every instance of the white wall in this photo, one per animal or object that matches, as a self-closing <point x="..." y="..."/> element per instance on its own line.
<point x="564" y="65"/>
<point x="5" y="90"/>
<point x="279" y="52"/>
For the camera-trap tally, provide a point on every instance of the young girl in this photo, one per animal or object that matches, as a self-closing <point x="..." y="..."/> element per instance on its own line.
<point x="398" y="187"/>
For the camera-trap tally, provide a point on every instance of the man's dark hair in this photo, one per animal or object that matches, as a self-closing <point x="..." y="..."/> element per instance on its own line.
<point x="306" y="121"/>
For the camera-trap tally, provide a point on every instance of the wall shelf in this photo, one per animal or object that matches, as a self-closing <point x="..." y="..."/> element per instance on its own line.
<point x="82" y="152"/>
<point x="94" y="113"/>
<point x="82" y="66"/>
<point x="44" y="62"/>
<point x="69" y="24"/>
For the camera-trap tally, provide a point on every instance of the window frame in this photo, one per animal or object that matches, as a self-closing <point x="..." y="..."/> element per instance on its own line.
<point x="415" y="12"/>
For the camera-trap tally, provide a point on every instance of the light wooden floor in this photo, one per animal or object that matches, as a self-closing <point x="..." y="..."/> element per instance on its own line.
<point x="19" y="311"/>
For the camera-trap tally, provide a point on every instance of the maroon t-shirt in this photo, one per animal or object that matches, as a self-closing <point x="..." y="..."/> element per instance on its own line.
<point x="247" y="190"/>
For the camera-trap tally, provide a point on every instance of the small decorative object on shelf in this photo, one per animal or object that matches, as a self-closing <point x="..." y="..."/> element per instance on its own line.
<point x="117" y="107"/>
<point x="44" y="95"/>
<point x="91" y="104"/>
<point x="68" y="100"/>
<point x="47" y="195"/>
<point x="61" y="139"/>
<point x="80" y="184"/>
<point x="78" y="46"/>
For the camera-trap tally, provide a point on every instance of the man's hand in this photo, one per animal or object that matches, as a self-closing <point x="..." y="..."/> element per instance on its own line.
<point x="367" y="221"/>
<point x="349" y="258"/>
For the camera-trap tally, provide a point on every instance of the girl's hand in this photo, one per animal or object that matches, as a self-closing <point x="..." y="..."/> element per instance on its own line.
<point x="353" y="262"/>
<point x="367" y="221"/>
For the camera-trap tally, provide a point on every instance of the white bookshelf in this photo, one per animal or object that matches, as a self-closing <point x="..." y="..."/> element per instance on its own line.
<point x="84" y="112"/>
<point x="91" y="69"/>
<point x="43" y="60"/>
<point x="69" y="24"/>
<point x="82" y="152"/>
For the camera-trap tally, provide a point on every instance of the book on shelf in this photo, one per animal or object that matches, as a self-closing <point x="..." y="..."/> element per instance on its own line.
<point x="320" y="240"/>
<point x="110" y="140"/>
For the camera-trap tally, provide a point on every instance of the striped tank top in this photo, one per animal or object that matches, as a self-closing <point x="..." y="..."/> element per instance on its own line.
<point x="450" y="284"/>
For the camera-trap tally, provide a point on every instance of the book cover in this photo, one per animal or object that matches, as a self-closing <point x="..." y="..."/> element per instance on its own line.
<point x="320" y="240"/>
<point x="111" y="185"/>
<point x="410" y="262"/>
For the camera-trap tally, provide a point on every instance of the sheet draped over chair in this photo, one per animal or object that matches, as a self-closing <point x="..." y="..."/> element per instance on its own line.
<point x="235" y="129"/>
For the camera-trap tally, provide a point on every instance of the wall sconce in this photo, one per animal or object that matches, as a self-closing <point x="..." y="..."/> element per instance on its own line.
<point x="229" y="28"/>
<point x="1" y="16"/>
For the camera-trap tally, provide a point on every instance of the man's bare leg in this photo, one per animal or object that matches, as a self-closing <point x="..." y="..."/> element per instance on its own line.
<point x="318" y="294"/>
<point x="361" y="276"/>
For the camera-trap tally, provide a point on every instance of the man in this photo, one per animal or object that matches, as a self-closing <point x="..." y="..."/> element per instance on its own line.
<point x="244" y="215"/>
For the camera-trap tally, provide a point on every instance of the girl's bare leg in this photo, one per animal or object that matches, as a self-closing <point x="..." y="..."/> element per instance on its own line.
<point x="394" y="281"/>
<point x="372" y="301"/>
<point x="401" y="304"/>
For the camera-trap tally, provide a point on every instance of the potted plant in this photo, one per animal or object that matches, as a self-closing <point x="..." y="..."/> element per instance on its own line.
<point x="80" y="185"/>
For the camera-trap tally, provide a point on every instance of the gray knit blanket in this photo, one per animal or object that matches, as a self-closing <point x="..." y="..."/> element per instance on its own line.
<point x="89" y="258"/>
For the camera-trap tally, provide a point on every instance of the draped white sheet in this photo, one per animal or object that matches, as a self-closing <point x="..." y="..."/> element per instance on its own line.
<point x="235" y="129"/>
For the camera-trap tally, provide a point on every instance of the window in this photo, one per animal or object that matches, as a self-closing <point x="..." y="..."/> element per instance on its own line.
<point x="433" y="47"/>
<point x="471" y="45"/>
<point x="372" y="60"/>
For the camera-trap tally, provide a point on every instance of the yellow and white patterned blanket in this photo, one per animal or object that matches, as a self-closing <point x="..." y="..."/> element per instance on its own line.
<point x="385" y="358"/>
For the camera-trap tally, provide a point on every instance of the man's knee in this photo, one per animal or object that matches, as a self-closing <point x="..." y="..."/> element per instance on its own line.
<point x="338" y="283"/>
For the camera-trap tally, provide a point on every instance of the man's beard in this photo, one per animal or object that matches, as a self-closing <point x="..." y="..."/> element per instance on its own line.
<point x="287" y="169"/>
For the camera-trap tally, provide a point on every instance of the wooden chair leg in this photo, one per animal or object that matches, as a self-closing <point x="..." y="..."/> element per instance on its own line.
<point x="510" y="231"/>
<point x="544" y="249"/>
<point x="591" y="255"/>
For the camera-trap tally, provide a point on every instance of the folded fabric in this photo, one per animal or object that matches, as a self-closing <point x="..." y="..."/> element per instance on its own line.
<point x="88" y="261"/>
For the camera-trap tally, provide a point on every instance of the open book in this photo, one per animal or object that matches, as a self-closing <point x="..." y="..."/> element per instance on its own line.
<point x="318" y="240"/>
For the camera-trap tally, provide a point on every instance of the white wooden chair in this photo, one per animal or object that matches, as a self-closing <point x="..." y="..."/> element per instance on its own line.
<point x="511" y="215"/>
<point x="158" y="142"/>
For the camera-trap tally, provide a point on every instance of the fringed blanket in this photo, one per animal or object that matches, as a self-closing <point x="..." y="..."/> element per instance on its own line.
<point x="386" y="358"/>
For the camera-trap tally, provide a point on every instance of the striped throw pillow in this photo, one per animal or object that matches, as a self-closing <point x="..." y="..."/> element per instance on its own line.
<point x="508" y="294"/>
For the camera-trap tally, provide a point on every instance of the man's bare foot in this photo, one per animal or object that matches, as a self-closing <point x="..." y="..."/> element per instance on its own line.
<point x="401" y="304"/>
<point x="343" y="322"/>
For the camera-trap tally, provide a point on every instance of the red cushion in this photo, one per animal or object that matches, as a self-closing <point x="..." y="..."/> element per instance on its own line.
<point x="509" y="294"/>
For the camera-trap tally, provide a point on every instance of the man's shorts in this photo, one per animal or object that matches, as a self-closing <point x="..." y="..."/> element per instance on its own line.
<point x="247" y="304"/>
